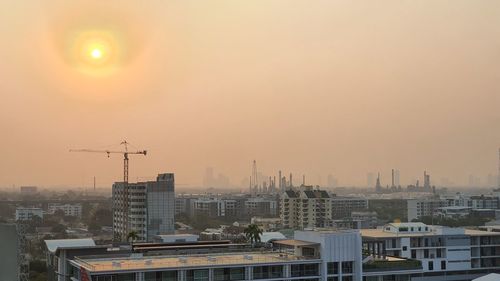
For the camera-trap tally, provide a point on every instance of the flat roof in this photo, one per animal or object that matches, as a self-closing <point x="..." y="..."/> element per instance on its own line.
<point x="54" y="245"/>
<point x="380" y="233"/>
<point x="165" y="262"/>
<point x="293" y="242"/>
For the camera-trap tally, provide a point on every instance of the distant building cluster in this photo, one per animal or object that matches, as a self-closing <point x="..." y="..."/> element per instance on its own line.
<point x="456" y="206"/>
<point x="396" y="187"/>
<point x="232" y="206"/>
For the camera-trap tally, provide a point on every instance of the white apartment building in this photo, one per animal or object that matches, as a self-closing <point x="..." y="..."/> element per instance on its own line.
<point x="418" y="208"/>
<point x="147" y="208"/>
<point x="441" y="250"/>
<point x="73" y="210"/>
<point x="300" y="209"/>
<point x="313" y="256"/>
<point x="26" y="214"/>
<point x="212" y="207"/>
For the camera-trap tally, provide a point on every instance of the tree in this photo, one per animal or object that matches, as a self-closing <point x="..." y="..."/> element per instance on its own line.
<point x="132" y="236"/>
<point x="253" y="232"/>
<point x="59" y="228"/>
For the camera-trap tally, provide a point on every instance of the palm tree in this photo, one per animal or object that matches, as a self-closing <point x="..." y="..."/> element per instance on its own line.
<point x="253" y="232"/>
<point x="132" y="235"/>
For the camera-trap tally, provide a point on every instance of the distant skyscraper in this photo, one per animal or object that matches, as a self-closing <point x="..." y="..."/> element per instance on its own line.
<point x="397" y="181"/>
<point x="378" y="186"/>
<point x="370" y="180"/>
<point x="208" y="180"/>
<point x="151" y="208"/>
<point x="332" y="181"/>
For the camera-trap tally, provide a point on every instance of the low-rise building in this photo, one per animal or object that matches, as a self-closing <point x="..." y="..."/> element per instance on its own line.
<point x="441" y="250"/>
<point x="342" y="207"/>
<point x="72" y="210"/>
<point x="367" y="219"/>
<point x="26" y="214"/>
<point x="261" y="207"/>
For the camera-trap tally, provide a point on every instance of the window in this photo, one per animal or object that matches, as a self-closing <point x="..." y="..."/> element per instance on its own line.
<point x="438" y="253"/>
<point x="443" y="265"/>
<point x="225" y="274"/>
<point x="347" y="266"/>
<point x="333" y="268"/>
<point x="304" y="270"/>
<point x="267" y="272"/>
<point x="160" y="276"/>
<point x="426" y="253"/>
<point x="405" y="248"/>
<point x="431" y="265"/>
<point x="197" y="275"/>
<point x="413" y="254"/>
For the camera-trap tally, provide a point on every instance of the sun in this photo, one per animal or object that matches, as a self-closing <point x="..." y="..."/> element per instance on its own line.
<point x="96" y="53"/>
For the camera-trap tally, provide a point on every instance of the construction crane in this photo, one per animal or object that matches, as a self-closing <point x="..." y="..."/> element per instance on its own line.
<point x="125" y="153"/>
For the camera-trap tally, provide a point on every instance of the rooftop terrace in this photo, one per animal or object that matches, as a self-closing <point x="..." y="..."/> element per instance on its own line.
<point x="166" y="262"/>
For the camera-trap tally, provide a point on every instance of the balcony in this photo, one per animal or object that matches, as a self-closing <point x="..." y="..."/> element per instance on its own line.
<point x="392" y="264"/>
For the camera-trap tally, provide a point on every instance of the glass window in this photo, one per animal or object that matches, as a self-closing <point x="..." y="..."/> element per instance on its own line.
<point x="225" y="274"/>
<point x="431" y="265"/>
<point x="333" y="268"/>
<point x="197" y="275"/>
<point x="347" y="267"/>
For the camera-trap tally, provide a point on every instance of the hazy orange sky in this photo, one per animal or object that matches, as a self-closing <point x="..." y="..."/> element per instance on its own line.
<point x="314" y="87"/>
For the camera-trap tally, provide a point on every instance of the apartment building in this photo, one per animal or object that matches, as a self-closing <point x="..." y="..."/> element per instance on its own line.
<point x="313" y="255"/>
<point x="300" y="209"/>
<point x="147" y="208"/>
<point x="26" y="214"/>
<point x="418" y="208"/>
<point x="261" y="207"/>
<point x="342" y="207"/>
<point x="73" y="210"/>
<point x="442" y="251"/>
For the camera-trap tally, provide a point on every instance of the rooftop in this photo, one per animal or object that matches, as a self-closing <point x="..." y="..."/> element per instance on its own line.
<point x="295" y="243"/>
<point x="163" y="262"/>
<point x="54" y="245"/>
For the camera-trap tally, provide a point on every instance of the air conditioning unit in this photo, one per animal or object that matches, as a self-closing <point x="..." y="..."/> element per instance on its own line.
<point x="248" y="257"/>
<point x="183" y="259"/>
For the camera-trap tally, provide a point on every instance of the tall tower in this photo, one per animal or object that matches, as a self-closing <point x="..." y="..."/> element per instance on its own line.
<point x="498" y="180"/>
<point x="378" y="186"/>
<point x="392" y="184"/>
<point x="255" y="180"/>
<point x="280" y="181"/>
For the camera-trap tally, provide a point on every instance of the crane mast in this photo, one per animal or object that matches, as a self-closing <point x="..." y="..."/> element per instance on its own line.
<point x="126" y="154"/>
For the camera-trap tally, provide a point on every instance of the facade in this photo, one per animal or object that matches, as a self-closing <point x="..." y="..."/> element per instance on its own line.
<point x="442" y="251"/>
<point x="300" y="209"/>
<point x="184" y="204"/>
<point x="148" y="208"/>
<point x="13" y="264"/>
<point x="418" y="208"/>
<point x="211" y="207"/>
<point x="26" y="214"/>
<point x="73" y="210"/>
<point x="366" y="218"/>
<point x="28" y="190"/>
<point x="261" y="207"/>
<point x="342" y="207"/>
<point x="317" y="255"/>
